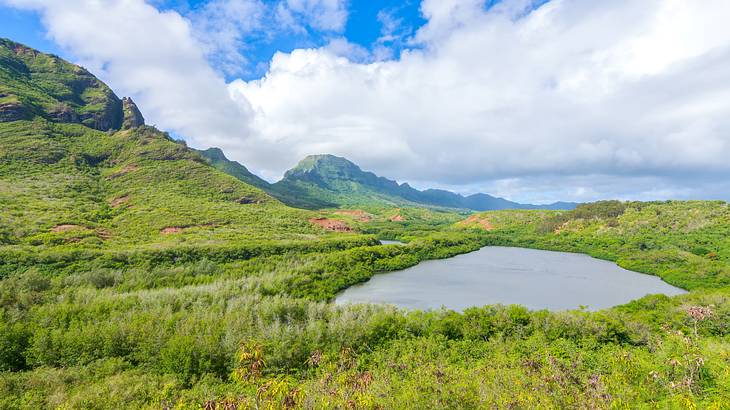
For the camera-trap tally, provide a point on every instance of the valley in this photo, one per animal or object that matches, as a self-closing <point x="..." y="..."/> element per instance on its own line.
<point x="136" y="272"/>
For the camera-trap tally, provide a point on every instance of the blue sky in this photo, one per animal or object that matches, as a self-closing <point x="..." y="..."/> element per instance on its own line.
<point x="25" y="27"/>
<point x="364" y="26"/>
<point x="532" y="100"/>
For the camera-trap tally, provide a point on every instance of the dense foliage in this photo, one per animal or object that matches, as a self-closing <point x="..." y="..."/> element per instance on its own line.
<point x="226" y="328"/>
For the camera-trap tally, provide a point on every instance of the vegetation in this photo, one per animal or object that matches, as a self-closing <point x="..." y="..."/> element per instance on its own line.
<point x="134" y="274"/>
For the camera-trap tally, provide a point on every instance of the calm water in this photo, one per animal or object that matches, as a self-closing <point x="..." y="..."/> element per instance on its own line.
<point x="533" y="278"/>
<point x="387" y="242"/>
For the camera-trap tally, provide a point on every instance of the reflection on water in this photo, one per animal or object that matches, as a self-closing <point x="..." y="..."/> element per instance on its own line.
<point x="533" y="278"/>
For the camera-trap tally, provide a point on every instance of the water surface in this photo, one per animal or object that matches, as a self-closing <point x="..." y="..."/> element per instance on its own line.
<point x="533" y="278"/>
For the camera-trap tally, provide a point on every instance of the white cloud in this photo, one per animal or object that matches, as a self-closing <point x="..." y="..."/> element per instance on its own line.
<point x="575" y="100"/>
<point x="230" y="29"/>
<point x="635" y="91"/>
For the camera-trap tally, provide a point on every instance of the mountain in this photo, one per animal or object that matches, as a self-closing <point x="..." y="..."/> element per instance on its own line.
<point x="80" y="169"/>
<point x="322" y="181"/>
<point x="216" y="158"/>
<point x="290" y="195"/>
<point x="44" y="90"/>
<point x="340" y="181"/>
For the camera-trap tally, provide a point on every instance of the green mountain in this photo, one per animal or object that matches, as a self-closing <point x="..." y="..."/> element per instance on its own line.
<point x="216" y="158"/>
<point x="340" y="181"/>
<point x="321" y="181"/>
<point x="299" y="197"/>
<point x="79" y="169"/>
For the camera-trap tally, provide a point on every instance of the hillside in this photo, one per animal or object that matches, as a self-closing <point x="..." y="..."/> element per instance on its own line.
<point x="37" y="84"/>
<point x="291" y="196"/>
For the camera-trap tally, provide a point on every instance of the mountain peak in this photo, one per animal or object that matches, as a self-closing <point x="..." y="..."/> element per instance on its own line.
<point x="325" y="167"/>
<point x="316" y="161"/>
<point x="132" y="116"/>
<point x="215" y="157"/>
<point x="214" y="153"/>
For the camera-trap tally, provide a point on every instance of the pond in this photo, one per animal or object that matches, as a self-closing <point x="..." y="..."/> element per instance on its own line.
<point x="533" y="278"/>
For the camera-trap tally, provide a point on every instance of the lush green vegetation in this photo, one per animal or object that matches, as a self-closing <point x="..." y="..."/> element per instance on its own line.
<point x="133" y="274"/>
<point x="256" y="330"/>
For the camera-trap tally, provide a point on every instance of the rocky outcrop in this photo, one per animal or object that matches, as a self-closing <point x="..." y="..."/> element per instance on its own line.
<point x="13" y="111"/>
<point x="109" y="117"/>
<point x="132" y="116"/>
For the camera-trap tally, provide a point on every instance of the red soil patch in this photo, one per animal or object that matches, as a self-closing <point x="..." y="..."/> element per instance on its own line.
<point x="178" y="229"/>
<point x="397" y="218"/>
<point x="358" y="214"/>
<point x="170" y="230"/>
<point x="478" y="221"/>
<point x="65" y="228"/>
<point x="124" y="171"/>
<point x="119" y="201"/>
<point x="331" y="224"/>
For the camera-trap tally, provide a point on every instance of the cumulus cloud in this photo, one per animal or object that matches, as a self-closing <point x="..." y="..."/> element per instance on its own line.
<point x="635" y="92"/>
<point x="573" y="100"/>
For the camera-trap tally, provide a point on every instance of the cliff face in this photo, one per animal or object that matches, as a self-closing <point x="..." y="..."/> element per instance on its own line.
<point x="132" y="116"/>
<point x="38" y="84"/>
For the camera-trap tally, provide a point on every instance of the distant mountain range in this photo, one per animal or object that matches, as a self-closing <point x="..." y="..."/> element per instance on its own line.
<point x="320" y="181"/>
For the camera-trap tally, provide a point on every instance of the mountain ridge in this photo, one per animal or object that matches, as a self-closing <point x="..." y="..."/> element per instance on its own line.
<point x="326" y="180"/>
<point x="38" y="85"/>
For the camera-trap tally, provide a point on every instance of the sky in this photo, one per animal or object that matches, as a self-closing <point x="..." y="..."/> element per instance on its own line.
<point x="532" y="100"/>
